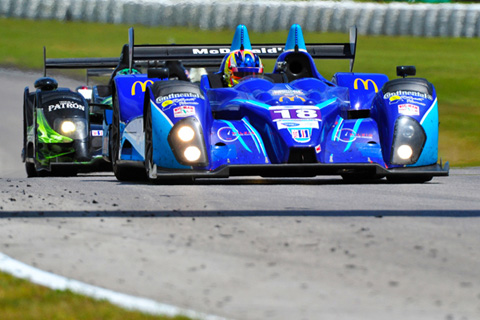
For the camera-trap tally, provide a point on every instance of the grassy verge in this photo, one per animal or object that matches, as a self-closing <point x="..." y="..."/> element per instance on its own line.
<point x="451" y="64"/>
<point x="20" y="299"/>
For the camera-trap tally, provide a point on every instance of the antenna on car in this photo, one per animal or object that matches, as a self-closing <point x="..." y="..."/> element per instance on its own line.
<point x="353" y="45"/>
<point x="44" y="61"/>
<point x="130" y="49"/>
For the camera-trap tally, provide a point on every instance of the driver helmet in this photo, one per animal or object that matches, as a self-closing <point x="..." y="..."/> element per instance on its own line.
<point x="239" y="64"/>
<point x="126" y="71"/>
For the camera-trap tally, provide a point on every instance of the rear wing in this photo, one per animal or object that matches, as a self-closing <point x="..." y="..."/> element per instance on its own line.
<point x="211" y="55"/>
<point x="196" y="55"/>
<point x="77" y="63"/>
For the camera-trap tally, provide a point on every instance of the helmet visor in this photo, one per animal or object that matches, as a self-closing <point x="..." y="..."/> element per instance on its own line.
<point x="238" y="73"/>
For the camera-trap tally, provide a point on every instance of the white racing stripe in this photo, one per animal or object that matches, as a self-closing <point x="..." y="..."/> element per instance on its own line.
<point x="21" y="270"/>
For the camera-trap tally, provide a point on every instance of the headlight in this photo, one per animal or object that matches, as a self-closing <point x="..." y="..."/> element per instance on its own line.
<point x="408" y="141"/>
<point x="68" y="127"/>
<point x="74" y="128"/>
<point x="192" y="153"/>
<point x="187" y="142"/>
<point x="404" y="152"/>
<point x="186" y="133"/>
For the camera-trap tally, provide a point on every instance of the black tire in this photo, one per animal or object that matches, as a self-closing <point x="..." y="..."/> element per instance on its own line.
<point x="409" y="178"/>
<point x="150" y="168"/>
<point x="31" y="170"/>
<point x="63" y="172"/>
<point x="362" y="177"/>
<point x="122" y="173"/>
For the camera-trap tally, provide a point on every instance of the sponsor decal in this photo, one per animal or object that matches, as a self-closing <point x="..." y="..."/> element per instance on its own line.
<point x="183" y="111"/>
<point x="227" y="134"/>
<point x="66" y="105"/>
<point x="402" y="93"/>
<point x="177" y="97"/>
<point x="286" y="92"/>
<point x="297" y="123"/>
<point x="96" y="133"/>
<point x="295" y="113"/>
<point x="301" y="135"/>
<point x="346" y="135"/>
<point x="318" y="149"/>
<point x="394" y="99"/>
<point x="206" y="51"/>
<point x="349" y="135"/>
<point x="143" y="86"/>
<point x="166" y="103"/>
<point x="365" y="84"/>
<point x="408" y="109"/>
<point x="282" y="125"/>
<point x="211" y="51"/>
<point x="292" y="99"/>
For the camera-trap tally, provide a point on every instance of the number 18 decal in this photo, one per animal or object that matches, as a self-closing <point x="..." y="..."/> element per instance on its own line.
<point x="292" y="113"/>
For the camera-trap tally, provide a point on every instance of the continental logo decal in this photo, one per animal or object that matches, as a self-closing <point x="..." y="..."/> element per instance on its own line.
<point x="143" y="86"/>
<point x="365" y="84"/>
<point x="174" y="96"/>
<point x="403" y="93"/>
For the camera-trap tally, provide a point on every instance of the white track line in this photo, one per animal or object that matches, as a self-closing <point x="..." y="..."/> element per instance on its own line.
<point x="56" y="282"/>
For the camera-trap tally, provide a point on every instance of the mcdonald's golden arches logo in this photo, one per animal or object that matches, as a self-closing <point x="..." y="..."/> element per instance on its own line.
<point x="365" y="84"/>
<point x="291" y="98"/>
<point x="143" y="85"/>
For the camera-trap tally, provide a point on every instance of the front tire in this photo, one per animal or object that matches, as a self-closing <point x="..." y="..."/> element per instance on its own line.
<point x="122" y="173"/>
<point x="150" y="166"/>
<point x="409" y="179"/>
<point x="31" y="170"/>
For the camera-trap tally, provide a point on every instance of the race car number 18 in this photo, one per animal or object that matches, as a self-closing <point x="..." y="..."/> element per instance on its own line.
<point x="295" y="114"/>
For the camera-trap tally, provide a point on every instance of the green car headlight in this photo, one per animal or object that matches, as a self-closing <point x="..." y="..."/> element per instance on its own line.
<point x="68" y="127"/>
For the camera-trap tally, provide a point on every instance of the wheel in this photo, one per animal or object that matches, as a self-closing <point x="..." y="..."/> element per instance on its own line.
<point x="63" y="172"/>
<point x="409" y="178"/>
<point x="31" y="170"/>
<point x="150" y="167"/>
<point x="361" y="177"/>
<point x="122" y="173"/>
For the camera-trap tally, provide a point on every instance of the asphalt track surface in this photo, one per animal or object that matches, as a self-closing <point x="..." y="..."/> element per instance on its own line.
<point x="248" y="248"/>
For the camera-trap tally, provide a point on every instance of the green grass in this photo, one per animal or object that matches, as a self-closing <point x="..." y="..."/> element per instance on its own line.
<point x="451" y="64"/>
<point x="20" y="299"/>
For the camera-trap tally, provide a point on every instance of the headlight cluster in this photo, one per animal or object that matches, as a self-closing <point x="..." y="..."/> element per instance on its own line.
<point x="408" y="141"/>
<point x="187" y="143"/>
<point x="75" y="128"/>
<point x="68" y="127"/>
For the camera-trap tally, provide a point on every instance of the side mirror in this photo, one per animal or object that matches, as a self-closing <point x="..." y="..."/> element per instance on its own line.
<point x="404" y="71"/>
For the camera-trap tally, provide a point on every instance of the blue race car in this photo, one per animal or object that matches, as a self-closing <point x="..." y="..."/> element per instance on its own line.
<point x="291" y="122"/>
